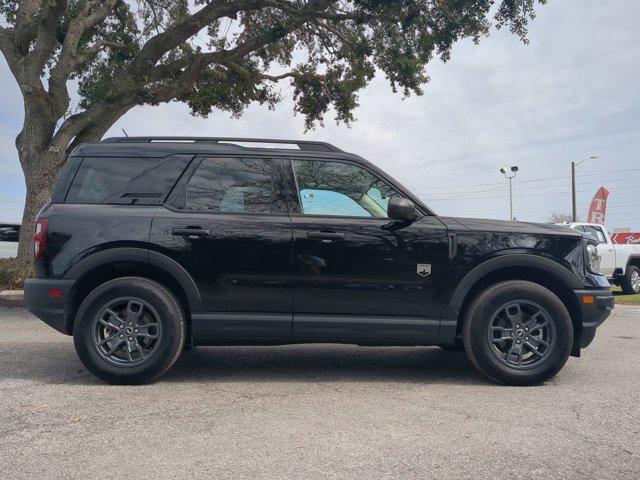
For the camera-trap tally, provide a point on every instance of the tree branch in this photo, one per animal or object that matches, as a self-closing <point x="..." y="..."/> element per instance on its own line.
<point x="10" y="51"/>
<point x="91" y="15"/>
<point x="173" y="36"/>
<point x="86" y="120"/>
<point x="95" y="131"/>
<point x="26" y="23"/>
<point x="45" y="39"/>
<point x="243" y="72"/>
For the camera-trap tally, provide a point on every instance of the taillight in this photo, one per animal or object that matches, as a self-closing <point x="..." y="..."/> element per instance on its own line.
<point x="40" y="237"/>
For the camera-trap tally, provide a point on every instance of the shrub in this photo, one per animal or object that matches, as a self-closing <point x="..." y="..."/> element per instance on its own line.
<point x="12" y="274"/>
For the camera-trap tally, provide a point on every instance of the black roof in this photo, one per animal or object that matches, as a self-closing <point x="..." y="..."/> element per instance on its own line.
<point x="162" y="146"/>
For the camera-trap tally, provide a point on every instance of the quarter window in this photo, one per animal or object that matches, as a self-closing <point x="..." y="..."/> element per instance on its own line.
<point x="340" y="189"/>
<point x="236" y="185"/>
<point x="139" y="181"/>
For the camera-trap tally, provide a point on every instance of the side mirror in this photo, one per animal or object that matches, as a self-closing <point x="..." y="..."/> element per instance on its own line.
<point x="400" y="208"/>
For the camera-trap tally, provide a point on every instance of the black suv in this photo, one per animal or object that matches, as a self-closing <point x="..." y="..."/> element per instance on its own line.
<point x="153" y="245"/>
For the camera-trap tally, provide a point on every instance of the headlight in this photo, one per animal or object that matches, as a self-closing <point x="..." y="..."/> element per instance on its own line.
<point x="593" y="259"/>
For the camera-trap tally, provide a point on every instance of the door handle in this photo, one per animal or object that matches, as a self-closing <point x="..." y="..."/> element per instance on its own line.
<point x="325" y="236"/>
<point x="191" y="232"/>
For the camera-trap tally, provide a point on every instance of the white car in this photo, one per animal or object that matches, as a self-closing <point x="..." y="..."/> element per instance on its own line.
<point x="9" y="234"/>
<point x="620" y="263"/>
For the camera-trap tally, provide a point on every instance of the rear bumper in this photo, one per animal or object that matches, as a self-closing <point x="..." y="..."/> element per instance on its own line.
<point x="595" y="306"/>
<point x="47" y="300"/>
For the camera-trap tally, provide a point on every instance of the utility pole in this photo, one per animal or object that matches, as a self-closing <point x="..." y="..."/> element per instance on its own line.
<point x="573" y="191"/>
<point x="510" y="173"/>
<point x="573" y="186"/>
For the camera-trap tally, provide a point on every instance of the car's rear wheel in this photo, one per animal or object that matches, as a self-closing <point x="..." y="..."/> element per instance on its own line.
<point x="129" y="330"/>
<point x="630" y="283"/>
<point x="518" y="333"/>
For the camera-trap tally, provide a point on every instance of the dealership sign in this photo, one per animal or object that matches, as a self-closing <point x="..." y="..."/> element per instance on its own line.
<point x="598" y="206"/>
<point x="626" y="238"/>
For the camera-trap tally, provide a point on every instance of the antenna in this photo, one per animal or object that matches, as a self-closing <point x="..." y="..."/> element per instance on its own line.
<point x="125" y="133"/>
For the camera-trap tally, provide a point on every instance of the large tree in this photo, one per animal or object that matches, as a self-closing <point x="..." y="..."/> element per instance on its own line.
<point x="214" y="54"/>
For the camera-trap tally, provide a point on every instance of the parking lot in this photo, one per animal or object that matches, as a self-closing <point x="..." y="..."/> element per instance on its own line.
<point x="318" y="411"/>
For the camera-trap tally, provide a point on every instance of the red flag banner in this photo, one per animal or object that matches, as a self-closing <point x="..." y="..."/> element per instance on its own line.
<point x="598" y="206"/>
<point x="626" y="238"/>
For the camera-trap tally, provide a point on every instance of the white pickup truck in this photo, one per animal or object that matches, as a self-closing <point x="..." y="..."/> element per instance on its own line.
<point x="620" y="263"/>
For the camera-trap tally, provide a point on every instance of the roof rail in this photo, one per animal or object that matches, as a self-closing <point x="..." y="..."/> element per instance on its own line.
<point x="302" y="144"/>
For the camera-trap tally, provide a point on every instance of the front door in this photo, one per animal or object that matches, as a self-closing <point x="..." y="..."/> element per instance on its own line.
<point x="227" y="224"/>
<point x="358" y="274"/>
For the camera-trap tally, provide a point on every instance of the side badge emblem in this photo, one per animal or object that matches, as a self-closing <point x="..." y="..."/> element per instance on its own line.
<point x="423" y="269"/>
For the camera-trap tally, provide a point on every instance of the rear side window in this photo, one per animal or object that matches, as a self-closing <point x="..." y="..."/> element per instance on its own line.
<point x="236" y="185"/>
<point x="140" y="181"/>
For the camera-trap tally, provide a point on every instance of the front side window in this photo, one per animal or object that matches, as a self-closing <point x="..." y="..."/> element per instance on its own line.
<point x="340" y="189"/>
<point x="236" y="185"/>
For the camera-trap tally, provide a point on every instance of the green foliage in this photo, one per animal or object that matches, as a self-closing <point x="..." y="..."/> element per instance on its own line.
<point x="160" y="50"/>
<point x="13" y="274"/>
<point x="622" y="299"/>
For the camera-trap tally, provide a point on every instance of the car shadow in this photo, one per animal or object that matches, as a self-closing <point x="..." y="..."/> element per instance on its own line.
<point x="323" y="363"/>
<point x="57" y="363"/>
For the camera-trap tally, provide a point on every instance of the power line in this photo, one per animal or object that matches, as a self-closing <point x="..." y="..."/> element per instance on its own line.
<point x="582" y="173"/>
<point x="539" y="210"/>
<point x="537" y="187"/>
<point x="563" y="192"/>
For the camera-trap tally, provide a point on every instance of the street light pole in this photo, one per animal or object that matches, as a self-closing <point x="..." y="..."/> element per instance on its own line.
<point x="573" y="192"/>
<point x="510" y="200"/>
<point x="573" y="187"/>
<point x="510" y="173"/>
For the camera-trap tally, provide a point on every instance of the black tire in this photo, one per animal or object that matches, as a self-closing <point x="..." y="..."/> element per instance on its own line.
<point x="492" y="354"/>
<point x="630" y="283"/>
<point x="149" y="299"/>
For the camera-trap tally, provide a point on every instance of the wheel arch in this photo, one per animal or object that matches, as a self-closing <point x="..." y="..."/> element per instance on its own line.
<point x="540" y="270"/>
<point x="633" y="260"/>
<point x="106" y="265"/>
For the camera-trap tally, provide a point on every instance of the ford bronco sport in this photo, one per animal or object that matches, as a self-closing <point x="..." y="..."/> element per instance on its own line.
<point x="153" y="245"/>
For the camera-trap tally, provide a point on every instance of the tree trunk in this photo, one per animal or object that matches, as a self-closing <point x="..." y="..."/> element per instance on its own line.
<point x="41" y="173"/>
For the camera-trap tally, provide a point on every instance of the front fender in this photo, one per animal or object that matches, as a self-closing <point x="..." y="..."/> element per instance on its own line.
<point x="509" y="261"/>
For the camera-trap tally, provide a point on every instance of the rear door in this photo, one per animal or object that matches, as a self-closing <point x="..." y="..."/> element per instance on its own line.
<point x="227" y="224"/>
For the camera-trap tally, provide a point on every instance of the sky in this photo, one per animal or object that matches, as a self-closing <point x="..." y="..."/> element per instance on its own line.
<point x="570" y="94"/>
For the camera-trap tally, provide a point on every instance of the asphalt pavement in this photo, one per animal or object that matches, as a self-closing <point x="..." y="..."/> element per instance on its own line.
<point x="317" y="411"/>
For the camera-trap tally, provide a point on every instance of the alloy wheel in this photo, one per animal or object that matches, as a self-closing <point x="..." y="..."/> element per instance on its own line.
<point x="126" y="331"/>
<point x="635" y="281"/>
<point x="521" y="334"/>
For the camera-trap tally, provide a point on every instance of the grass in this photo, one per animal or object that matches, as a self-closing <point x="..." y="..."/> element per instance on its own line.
<point x="13" y="275"/>
<point x="622" y="299"/>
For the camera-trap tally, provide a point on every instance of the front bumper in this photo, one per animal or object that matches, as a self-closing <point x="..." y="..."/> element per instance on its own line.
<point x="595" y="307"/>
<point x="47" y="300"/>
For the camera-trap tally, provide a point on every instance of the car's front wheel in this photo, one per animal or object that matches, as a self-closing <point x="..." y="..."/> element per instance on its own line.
<point x="518" y="333"/>
<point x="129" y="330"/>
<point x="630" y="283"/>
